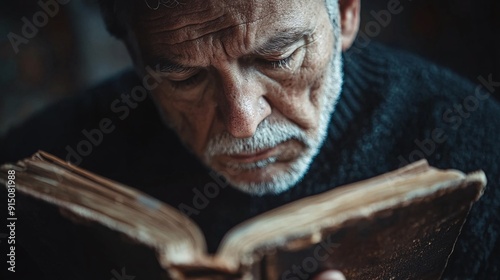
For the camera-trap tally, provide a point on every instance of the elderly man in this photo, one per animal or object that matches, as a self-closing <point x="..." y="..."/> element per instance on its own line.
<point x="263" y="97"/>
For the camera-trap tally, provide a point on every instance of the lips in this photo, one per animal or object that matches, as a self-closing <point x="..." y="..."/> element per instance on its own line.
<point x="251" y="157"/>
<point x="282" y="153"/>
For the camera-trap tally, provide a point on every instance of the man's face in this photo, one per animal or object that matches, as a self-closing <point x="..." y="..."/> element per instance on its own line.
<point x="249" y="85"/>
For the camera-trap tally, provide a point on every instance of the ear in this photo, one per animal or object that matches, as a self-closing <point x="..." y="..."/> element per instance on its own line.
<point x="349" y="20"/>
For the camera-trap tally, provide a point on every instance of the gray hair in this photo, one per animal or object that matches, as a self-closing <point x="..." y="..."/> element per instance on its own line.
<point x="332" y="6"/>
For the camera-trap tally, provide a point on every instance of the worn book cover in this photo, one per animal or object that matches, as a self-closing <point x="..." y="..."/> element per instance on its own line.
<point x="399" y="225"/>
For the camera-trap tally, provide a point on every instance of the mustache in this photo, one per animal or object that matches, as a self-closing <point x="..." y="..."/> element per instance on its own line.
<point x="267" y="135"/>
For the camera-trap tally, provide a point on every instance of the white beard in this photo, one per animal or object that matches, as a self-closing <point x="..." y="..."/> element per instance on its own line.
<point x="269" y="133"/>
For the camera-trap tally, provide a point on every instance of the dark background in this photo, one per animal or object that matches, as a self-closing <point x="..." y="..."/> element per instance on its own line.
<point x="463" y="35"/>
<point x="73" y="51"/>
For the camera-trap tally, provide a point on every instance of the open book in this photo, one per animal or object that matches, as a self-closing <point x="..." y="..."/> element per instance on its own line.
<point x="399" y="225"/>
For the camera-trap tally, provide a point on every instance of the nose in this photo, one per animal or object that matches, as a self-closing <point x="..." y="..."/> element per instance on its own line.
<point x="243" y="105"/>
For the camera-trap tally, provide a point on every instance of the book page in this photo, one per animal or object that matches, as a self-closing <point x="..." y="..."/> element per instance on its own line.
<point x="364" y="220"/>
<point x="84" y="196"/>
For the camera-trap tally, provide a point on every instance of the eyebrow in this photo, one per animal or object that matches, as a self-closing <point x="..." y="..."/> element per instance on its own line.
<point x="169" y="66"/>
<point x="283" y="40"/>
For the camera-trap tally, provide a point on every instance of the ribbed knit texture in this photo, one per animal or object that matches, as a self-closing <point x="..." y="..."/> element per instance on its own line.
<point x="391" y="102"/>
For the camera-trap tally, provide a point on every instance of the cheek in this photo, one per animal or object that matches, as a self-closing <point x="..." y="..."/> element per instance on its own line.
<point x="300" y="95"/>
<point x="316" y="90"/>
<point x="316" y="70"/>
<point x="191" y="120"/>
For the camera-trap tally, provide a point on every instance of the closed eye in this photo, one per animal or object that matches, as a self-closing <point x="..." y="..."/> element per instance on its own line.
<point x="282" y="63"/>
<point x="191" y="81"/>
<point x="286" y="63"/>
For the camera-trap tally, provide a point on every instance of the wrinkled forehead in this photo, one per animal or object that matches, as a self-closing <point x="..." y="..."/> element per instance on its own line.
<point x="176" y="14"/>
<point x="197" y="18"/>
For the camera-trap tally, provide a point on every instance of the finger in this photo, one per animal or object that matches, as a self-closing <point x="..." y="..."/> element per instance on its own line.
<point x="330" y="275"/>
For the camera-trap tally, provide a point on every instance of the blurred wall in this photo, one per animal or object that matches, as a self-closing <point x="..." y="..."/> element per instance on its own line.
<point x="73" y="51"/>
<point x="70" y="51"/>
<point x="463" y="35"/>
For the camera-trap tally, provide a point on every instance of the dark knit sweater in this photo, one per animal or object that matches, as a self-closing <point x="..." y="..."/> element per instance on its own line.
<point x="394" y="109"/>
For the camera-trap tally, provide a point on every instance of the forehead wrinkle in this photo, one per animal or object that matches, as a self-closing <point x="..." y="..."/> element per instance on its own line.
<point x="181" y="56"/>
<point x="244" y="43"/>
<point x="233" y="45"/>
<point x="175" y="18"/>
<point x="172" y="41"/>
<point x="178" y="25"/>
<point x="166" y="29"/>
<point x="206" y="29"/>
<point x="236" y="40"/>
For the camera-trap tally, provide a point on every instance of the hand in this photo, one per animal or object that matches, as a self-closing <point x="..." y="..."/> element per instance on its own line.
<point x="330" y="275"/>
